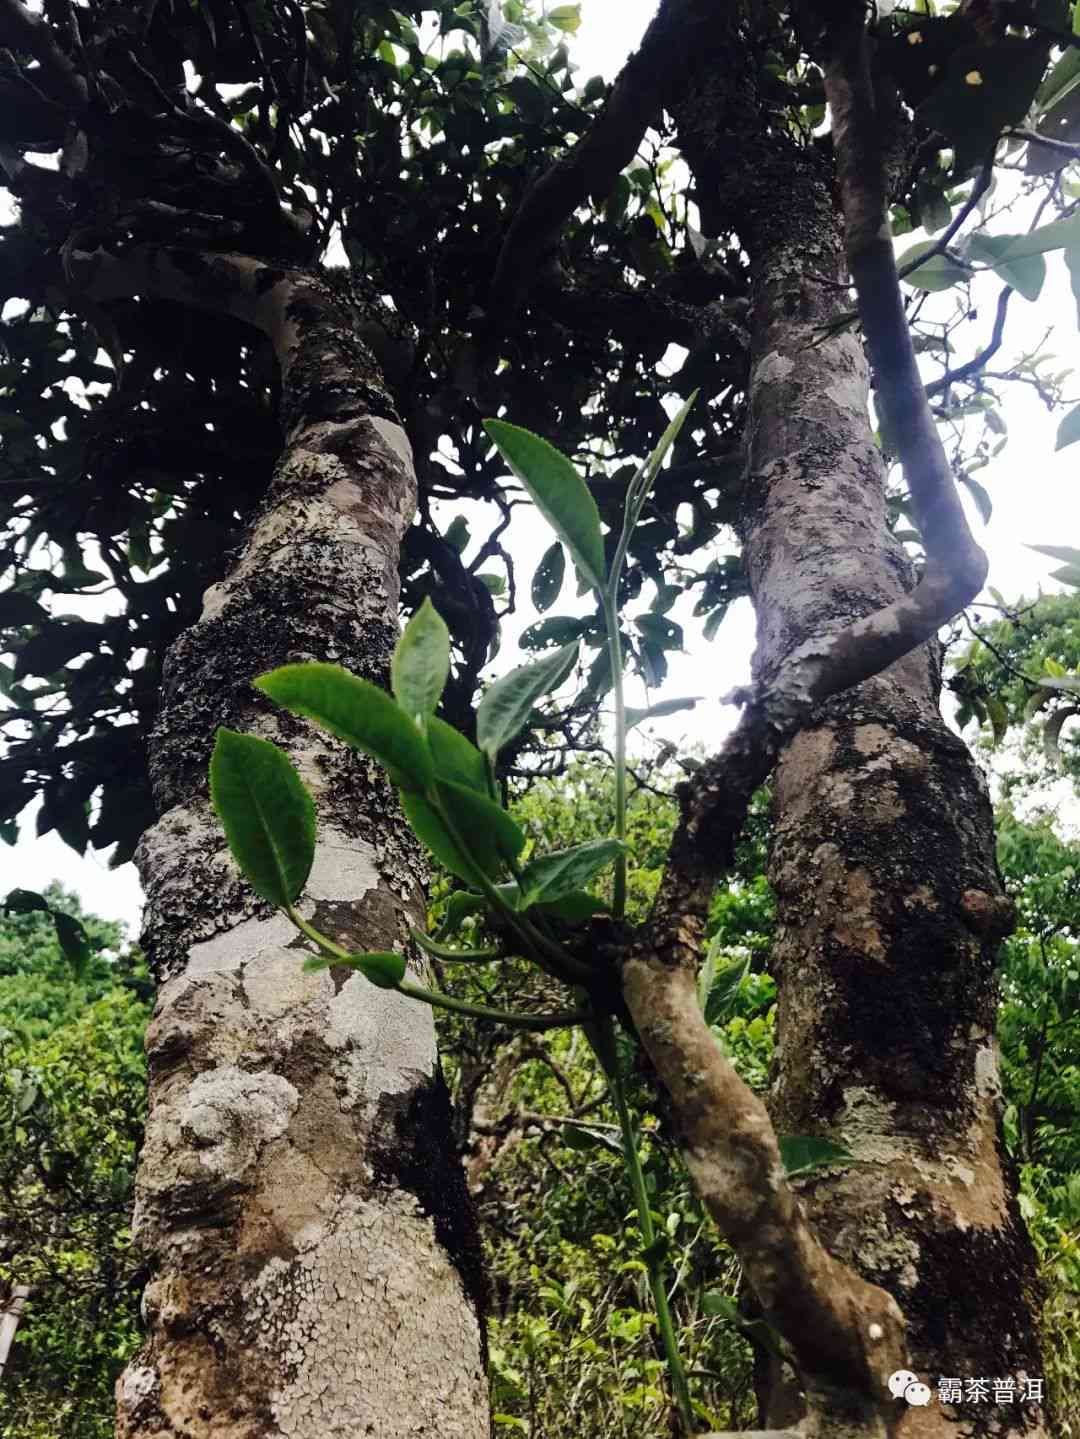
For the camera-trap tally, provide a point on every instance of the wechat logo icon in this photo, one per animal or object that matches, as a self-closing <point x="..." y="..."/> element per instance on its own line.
<point x="905" y="1385"/>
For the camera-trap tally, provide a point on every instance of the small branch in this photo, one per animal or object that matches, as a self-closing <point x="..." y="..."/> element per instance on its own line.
<point x="976" y="363"/>
<point x="1063" y="147"/>
<point x="982" y="184"/>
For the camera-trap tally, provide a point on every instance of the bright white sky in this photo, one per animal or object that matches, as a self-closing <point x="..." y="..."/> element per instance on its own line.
<point x="1035" y="493"/>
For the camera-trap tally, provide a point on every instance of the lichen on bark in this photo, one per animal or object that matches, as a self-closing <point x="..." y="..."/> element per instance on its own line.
<point x="306" y="1277"/>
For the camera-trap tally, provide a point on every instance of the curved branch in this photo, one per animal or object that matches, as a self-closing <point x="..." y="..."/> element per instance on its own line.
<point x="976" y="363"/>
<point x="590" y="169"/>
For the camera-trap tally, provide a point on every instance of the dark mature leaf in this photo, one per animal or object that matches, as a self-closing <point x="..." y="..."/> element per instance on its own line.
<point x="553" y="876"/>
<point x="382" y="967"/>
<point x="559" y="630"/>
<point x="457" y="536"/>
<point x="358" y="712"/>
<point x="24" y="901"/>
<point x="266" y="812"/>
<point x="74" y="941"/>
<point x="1058" y="235"/>
<point x="803" y="1152"/>
<point x="504" y="711"/>
<point x="421" y="663"/>
<point x="559" y="493"/>
<point x="985" y="88"/>
<point x="712" y="624"/>
<point x="658" y="711"/>
<point x="581" y="1137"/>
<point x="52" y="648"/>
<point x="665" y="634"/>
<point x="1072" y="260"/>
<point x="17" y="608"/>
<point x="548" y="579"/>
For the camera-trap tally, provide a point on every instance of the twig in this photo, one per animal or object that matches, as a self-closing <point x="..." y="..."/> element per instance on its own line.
<point x="979" y="189"/>
<point x="1034" y="138"/>
<point x="952" y="377"/>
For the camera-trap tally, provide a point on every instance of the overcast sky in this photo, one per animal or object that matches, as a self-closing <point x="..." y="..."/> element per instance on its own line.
<point x="1034" y="491"/>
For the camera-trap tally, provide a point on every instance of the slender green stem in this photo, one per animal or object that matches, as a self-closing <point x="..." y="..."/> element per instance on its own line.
<point x="326" y="945"/>
<point x="546" y="952"/>
<point x="565" y="1020"/>
<point x="611" y="616"/>
<point x="653" y="1263"/>
<point x="602" y="1037"/>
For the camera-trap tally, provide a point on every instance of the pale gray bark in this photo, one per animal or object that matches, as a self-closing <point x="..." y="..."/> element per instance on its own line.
<point x="10" y="1316"/>
<point x="315" y="1269"/>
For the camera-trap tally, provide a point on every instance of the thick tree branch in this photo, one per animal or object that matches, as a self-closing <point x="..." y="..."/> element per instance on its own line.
<point x="22" y="29"/>
<point x="590" y="169"/>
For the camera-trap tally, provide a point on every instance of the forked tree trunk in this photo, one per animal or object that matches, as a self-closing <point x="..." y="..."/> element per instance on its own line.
<point x="890" y="907"/>
<point x="315" y="1268"/>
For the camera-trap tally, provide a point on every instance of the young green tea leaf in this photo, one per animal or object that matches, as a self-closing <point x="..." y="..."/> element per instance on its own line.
<point x="803" y="1152"/>
<point x="723" y="990"/>
<point x="558" y="491"/>
<point x="493" y="836"/>
<point x="266" y="812"/>
<point x="430" y="830"/>
<point x="382" y="967"/>
<point x="489" y="832"/>
<point x="554" y="876"/>
<point x="575" y="907"/>
<point x="361" y="714"/>
<point x="507" y="704"/>
<point x="455" y="757"/>
<point x="421" y="663"/>
<point x="643" y="481"/>
<point x="660" y="632"/>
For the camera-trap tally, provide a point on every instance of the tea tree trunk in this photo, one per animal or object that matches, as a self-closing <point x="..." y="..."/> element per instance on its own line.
<point x="314" y="1267"/>
<point x="890" y="907"/>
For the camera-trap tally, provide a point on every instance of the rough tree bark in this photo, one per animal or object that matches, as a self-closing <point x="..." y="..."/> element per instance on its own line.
<point x="315" y="1269"/>
<point x="890" y="907"/>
